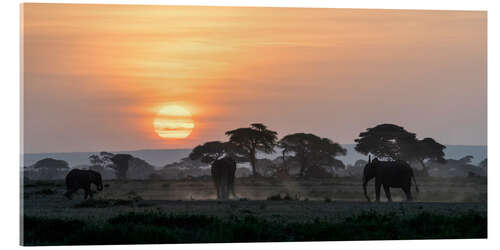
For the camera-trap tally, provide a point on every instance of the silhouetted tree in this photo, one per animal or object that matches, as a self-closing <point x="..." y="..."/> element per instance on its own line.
<point x="214" y="150"/>
<point x="139" y="168"/>
<point x="423" y="150"/>
<point x="312" y="151"/>
<point x="384" y="141"/>
<point x="102" y="159"/>
<point x="50" y="163"/>
<point x="120" y="165"/>
<point x="395" y="143"/>
<point x="249" y="141"/>
<point x="95" y="160"/>
<point x="51" y="168"/>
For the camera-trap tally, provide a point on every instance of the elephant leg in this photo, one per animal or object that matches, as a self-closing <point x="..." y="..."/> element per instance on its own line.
<point x="407" y="191"/>
<point x="88" y="192"/>
<point x="224" y="191"/>
<point x="232" y="191"/>
<point x="231" y="187"/>
<point x="377" y="191"/>
<point x="387" y="191"/>
<point x="217" y="188"/>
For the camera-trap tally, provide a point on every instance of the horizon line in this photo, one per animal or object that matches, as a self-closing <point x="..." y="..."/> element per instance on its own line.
<point x="152" y="149"/>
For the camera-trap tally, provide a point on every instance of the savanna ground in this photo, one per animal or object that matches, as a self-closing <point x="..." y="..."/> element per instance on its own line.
<point x="160" y="211"/>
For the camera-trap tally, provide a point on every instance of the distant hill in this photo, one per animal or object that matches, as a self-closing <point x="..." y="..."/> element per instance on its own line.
<point x="161" y="157"/>
<point x="155" y="157"/>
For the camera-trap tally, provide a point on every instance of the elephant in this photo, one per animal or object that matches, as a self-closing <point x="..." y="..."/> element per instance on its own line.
<point x="78" y="178"/>
<point x="389" y="174"/>
<point x="223" y="171"/>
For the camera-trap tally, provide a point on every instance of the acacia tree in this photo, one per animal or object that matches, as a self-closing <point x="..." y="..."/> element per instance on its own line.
<point x="208" y="152"/>
<point x="249" y="141"/>
<point x="393" y="142"/>
<point x="214" y="150"/>
<point x="118" y="162"/>
<point x="120" y="165"/>
<point x="384" y="141"/>
<point x="310" y="150"/>
<point x="423" y="150"/>
<point x="51" y="168"/>
<point x="102" y="159"/>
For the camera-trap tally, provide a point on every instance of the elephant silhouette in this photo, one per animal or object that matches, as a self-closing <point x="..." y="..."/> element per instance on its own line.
<point x="81" y="179"/>
<point x="223" y="171"/>
<point x="389" y="174"/>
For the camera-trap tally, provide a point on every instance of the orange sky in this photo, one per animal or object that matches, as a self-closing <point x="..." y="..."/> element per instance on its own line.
<point x="96" y="75"/>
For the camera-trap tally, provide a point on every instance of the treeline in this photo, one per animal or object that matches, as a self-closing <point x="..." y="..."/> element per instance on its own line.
<point x="301" y="155"/>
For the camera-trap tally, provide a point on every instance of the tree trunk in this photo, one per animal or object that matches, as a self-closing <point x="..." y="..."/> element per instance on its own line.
<point x="303" y="167"/>
<point x="426" y="173"/>
<point x="253" y="162"/>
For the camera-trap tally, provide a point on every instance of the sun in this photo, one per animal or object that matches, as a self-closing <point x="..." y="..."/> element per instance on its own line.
<point x="173" y="122"/>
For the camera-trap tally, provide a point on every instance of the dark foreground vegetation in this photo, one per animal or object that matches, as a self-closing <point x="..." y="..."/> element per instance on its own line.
<point x="158" y="227"/>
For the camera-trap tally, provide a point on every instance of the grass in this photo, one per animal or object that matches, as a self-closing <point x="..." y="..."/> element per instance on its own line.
<point x="157" y="227"/>
<point x="46" y="191"/>
<point x="103" y="203"/>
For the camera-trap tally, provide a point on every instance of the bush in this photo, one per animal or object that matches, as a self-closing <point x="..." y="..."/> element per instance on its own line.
<point x="278" y="197"/>
<point x="49" y="231"/>
<point x="101" y="203"/>
<point x="154" y="228"/>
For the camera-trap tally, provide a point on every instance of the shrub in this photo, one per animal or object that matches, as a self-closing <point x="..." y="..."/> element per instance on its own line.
<point x="276" y="197"/>
<point x="157" y="227"/>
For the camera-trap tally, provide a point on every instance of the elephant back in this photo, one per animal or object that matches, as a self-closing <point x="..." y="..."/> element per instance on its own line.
<point x="223" y="166"/>
<point x="77" y="178"/>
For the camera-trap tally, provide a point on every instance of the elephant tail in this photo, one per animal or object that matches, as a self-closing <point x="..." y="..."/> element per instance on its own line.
<point x="414" y="181"/>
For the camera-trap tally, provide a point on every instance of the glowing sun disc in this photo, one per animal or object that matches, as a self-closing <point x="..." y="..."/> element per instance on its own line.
<point x="173" y="121"/>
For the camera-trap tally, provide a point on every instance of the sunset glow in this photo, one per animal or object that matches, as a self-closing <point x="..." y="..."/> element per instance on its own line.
<point x="107" y="68"/>
<point x="173" y="122"/>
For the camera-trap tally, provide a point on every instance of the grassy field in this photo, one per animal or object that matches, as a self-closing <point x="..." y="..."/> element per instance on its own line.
<point x="444" y="208"/>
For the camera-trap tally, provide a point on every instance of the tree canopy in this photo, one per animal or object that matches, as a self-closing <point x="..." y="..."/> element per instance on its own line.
<point x="393" y="142"/>
<point x="119" y="162"/>
<point x="214" y="150"/>
<point x="310" y="150"/>
<point x="102" y="159"/>
<point x="120" y="165"/>
<point x="253" y="139"/>
<point x="384" y="141"/>
<point x="422" y="150"/>
<point x="51" y="164"/>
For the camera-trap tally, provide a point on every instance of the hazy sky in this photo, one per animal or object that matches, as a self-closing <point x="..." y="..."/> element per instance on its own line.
<point x="95" y="76"/>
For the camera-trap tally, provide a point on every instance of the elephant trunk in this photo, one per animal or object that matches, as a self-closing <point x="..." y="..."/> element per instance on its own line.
<point x="365" y="181"/>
